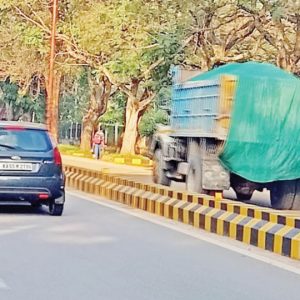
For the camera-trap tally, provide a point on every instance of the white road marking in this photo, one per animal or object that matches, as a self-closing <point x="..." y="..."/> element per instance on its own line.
<point x="15" y="229"/>
<point x="3" y="285"/>
<point x="273" y="259"/>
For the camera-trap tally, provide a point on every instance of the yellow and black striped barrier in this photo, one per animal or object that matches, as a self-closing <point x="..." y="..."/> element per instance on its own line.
<point x="273" y="230"/>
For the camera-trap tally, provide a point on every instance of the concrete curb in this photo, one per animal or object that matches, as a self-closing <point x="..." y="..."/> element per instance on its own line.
<point x="122" y="160"/>
<point x="276" y="231"/>
<point x="131" y="161"/>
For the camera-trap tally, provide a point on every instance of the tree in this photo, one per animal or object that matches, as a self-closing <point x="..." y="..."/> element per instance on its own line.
<point x="115" y="110"/>
<point x="100" y="92"/>
<point x="24" y="42"/>
<point x="150" y="120"/>
<point x="278" y="23"/>
<point x="16" y="106"/>
<point x="221" y="33"/>
<point x="23" y="47"/>
<point x="121" y="44"/>
<point x="74" y="98"/>
<point x="156" y="114"/>
<point x="129" y="51"/>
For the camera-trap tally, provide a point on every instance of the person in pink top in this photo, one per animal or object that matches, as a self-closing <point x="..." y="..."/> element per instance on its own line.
<point x="98" y="143"/>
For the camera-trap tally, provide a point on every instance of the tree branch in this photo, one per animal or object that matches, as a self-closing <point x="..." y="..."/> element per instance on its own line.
<point x="297" y="42"/>
<point x="143" y="104"/>
<point x="22" y="14"/>
<point x="151" y="67"/>
<point x="268" y="37"/>
<point x="239" y="35"/>
<point x="39" y="18"/>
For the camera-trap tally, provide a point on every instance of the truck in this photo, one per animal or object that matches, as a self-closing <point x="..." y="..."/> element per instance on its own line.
<point x="236" y="126"/>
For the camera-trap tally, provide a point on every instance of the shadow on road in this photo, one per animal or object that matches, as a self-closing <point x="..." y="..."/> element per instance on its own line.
<point x="22" y="209"/>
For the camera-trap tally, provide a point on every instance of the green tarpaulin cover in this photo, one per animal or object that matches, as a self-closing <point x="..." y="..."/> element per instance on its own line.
<point x="263" y="143"/>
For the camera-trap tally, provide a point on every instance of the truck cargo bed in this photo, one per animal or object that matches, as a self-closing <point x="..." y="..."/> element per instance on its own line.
<point x="203" y="108"/>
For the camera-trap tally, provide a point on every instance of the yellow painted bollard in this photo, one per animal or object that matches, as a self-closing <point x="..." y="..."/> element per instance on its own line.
<point x="218" y="196"/>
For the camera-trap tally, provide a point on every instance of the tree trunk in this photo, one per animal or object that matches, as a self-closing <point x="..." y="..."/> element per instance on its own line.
<point x="51" y="117"/>
<point x="131" y="127"/>
<point x="100" y="94"/>
<point x="88" y="124"/>
<point x="86" y="134"/>
<point x="9" y="112"/>
<point x="56" y="93"/>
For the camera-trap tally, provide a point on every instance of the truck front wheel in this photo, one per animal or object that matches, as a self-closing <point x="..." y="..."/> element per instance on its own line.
<point x="159" y="175"/>
<point x="194" y="177"/>
<point x="283" y="194"/>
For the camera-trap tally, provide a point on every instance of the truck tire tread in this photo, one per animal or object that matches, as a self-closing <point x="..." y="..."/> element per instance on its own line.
<point x="194" y="176"/>
<point x="159" y="175"/>
<point x="283" y="194"/>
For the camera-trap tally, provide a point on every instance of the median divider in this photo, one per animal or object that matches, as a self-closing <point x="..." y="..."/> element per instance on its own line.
<point x="273" y="230"/>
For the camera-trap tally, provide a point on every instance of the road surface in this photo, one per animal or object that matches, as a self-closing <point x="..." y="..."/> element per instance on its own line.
<point x="103" y="250"/>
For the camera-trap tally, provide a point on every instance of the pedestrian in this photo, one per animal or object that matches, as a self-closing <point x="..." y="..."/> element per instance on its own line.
<point x="98" y="142"/>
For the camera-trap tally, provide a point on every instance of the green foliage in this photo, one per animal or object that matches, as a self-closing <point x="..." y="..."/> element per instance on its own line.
<point x="4" y="4"/>
<point x="20" y="104"/>
<point x="169" y="47"/>
<point x="34" y="38"/>
<point x="163" y="98"/>
<point x="157" y="113"/>
<point x="150" y="120"/>
<point x="23" y="48"/>
<point x="129" y="36"/>
<point x="115" y="111"/>
<point x="74" y="150"/>
<point x="75" y="95"/>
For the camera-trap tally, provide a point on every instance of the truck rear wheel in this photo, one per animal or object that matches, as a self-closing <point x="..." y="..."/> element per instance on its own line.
<point x="284" y="194"/>
<point x="159" y="175"/>
<point x="296" y="204"/>
<point x="243" y="197"/>
<point x="243" y="188"/>
<point x="194" y="175"/>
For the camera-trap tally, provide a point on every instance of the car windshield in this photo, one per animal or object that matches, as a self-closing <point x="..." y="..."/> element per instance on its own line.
<point x="24" y="139"/>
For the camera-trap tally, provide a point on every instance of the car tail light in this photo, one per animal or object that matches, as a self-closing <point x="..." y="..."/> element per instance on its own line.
<point x="43" y="196"/>
<point x="57" y="157"/>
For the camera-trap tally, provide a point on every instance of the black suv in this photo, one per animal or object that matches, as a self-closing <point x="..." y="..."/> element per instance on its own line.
<point x="30" y="166"/>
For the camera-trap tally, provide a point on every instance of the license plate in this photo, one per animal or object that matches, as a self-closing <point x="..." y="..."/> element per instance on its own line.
<point x="15" y="166"/>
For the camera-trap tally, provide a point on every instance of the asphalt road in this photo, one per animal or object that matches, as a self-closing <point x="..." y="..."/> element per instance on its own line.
<point x="102" y="251"/>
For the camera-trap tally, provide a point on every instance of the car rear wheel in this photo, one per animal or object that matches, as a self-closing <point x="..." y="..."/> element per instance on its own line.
<point x="55" y="209"/>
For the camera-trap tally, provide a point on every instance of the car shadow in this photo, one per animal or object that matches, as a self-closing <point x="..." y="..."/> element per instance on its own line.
<point x="22" y="209"/>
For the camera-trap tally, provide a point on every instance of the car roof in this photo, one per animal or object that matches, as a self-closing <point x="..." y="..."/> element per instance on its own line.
<point x="27" y="125"/>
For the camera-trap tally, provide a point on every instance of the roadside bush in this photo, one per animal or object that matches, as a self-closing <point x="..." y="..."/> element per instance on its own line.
<point x="150" y="120"/>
